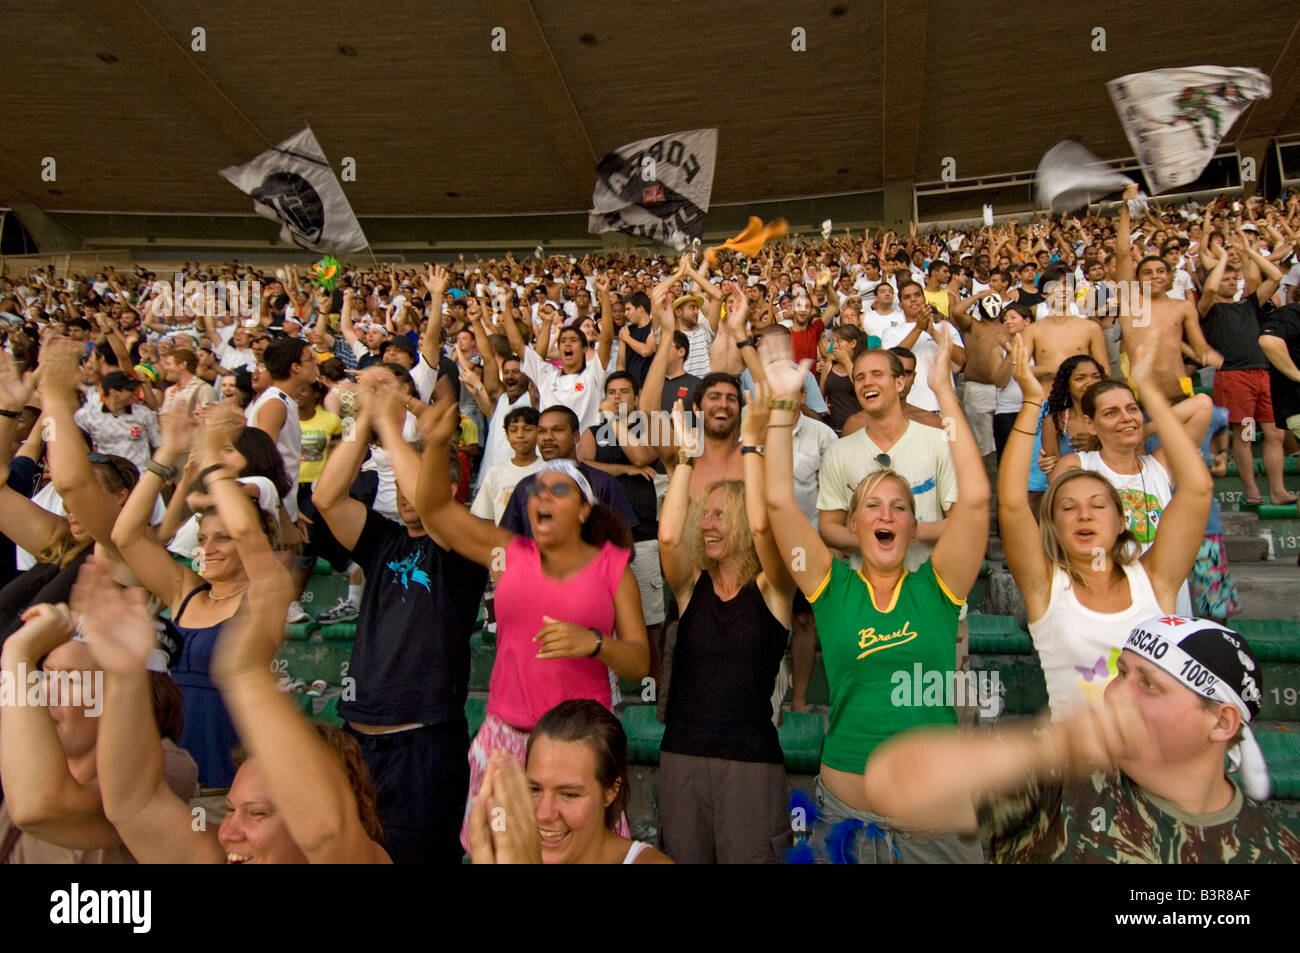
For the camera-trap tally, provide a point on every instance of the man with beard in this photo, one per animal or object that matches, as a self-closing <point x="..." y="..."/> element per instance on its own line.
<point x="503" y="388"/>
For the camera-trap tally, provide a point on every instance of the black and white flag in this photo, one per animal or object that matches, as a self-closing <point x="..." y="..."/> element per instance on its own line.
<point x="292" y="183"/>
<point x="656" y="188"/>
<point x="1176" y="118"/>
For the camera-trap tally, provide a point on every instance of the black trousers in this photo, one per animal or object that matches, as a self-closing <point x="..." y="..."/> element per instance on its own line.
<point x="421" y="777"/>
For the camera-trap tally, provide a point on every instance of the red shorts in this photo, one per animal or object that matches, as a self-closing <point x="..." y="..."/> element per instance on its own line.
<point x="1245" y="394"/>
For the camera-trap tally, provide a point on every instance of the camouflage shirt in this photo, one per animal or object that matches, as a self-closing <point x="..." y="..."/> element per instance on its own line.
<point x="1106" y="818"/>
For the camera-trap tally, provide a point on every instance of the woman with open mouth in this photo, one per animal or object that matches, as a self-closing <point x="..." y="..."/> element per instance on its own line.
<point x="881" y="621"/>
<point x="1084" y="575"/>
<point x="568" y="608"/>
<point x="301" y="793"/>
<point x="722" y="787"/>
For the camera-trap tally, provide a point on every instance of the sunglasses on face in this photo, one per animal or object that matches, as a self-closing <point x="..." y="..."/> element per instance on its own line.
<point x="558" y="489"/>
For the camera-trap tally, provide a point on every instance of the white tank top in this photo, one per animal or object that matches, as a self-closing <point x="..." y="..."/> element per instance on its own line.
<point x="289" y="441"/>
<point x="634" y="851"/>
<point x="1075" y="643"/>
<point x="1145" y="495"/>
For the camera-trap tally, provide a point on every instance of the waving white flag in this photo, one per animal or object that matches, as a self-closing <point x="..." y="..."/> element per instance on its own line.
<point x="1069" y="177"/>
<point x="1176" y="118"/>
<point x="656" y="188"/>
<point x="293" y="184"/>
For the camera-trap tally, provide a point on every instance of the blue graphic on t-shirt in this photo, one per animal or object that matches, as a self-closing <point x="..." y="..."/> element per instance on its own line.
<point x="408" y="570"/>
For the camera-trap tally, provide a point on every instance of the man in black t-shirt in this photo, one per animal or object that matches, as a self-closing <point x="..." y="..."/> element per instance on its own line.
<point x="408" y="679"/>
<point x="1242" y="383"/>
<point x="611" y="448"/>
<point x="678" y="385"/>
<point x="1279" y="338"/>
<point x="636" y="345"/>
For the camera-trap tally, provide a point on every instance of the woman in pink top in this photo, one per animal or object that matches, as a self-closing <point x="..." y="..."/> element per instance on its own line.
<point x="568" y="607"/>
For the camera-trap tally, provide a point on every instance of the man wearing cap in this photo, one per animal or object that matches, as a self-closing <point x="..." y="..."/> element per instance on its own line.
<point x="117" y="424"/>
<point x="1138" y="779"/>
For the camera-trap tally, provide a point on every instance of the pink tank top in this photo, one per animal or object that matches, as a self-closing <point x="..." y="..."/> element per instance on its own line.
<point x="523" y="687"/>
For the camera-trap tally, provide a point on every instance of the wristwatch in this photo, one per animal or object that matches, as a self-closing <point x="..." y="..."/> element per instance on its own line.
<point x="761" y="450"/>
<point x="600" y="640"/>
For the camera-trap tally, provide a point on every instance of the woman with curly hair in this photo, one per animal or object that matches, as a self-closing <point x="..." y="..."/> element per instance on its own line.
<point x="1064" y="428"/>
<point x="722" y="787"/>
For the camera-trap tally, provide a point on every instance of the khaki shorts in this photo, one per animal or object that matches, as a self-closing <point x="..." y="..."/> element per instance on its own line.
<point x="649" y="579"/>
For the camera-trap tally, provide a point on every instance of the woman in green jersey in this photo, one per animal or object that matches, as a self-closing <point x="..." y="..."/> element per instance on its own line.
<point x="888" y="635"/>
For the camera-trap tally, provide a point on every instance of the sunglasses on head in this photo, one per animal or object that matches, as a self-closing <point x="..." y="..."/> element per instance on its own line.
<point x="102" y="458"/>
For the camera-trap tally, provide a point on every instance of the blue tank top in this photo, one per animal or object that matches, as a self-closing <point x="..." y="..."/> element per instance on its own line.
<point x="208" y="734"/>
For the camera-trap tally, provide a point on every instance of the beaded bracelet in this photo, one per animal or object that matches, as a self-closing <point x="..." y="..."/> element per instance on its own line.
<point x="783" y="404"/>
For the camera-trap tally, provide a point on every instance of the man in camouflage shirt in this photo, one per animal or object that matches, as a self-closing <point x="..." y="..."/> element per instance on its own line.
<point x="1138" y="780"/>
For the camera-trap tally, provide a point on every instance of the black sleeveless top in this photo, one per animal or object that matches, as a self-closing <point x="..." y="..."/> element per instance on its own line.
<point x="723" y="674"/>
<point x="841" y="400"/>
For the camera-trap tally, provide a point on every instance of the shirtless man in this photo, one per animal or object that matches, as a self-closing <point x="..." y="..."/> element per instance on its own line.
<point x="717" y="397"/>
<point x="978" y="319"/>
<point x="1060" y="335"/>
<point x="1154" y="316"/>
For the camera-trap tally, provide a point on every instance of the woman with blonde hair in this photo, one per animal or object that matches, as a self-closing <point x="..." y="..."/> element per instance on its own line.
<point x="722" y="787"/>
<point x="886" y="632"/>
<point x="1085" y="581"/>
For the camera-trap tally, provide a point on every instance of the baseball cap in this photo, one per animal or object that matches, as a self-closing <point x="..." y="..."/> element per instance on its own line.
<point x="119" y="380"/>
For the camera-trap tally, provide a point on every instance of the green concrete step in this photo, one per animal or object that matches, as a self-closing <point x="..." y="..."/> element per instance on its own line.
<point x="1274" y="640"/>
<point x="997" y="635"/>
<point x="329" y="713"/>
<point x="481" y="657"/>
<point x="801" y="737"/>
<point x="1290" y="467"/>
<point x="475" y="712"/>
<point x="1281" y="749"/>
<point x="314" y="659"/>
<point x="339" y="632"/>
<point x="300" y="631"/>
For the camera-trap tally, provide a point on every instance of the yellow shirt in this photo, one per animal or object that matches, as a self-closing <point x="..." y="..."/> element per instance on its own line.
<point x="317" y="432"/>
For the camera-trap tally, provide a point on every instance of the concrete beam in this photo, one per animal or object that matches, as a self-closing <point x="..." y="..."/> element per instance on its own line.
<point x="550" y="94"/>
<point x="902" y="86"/>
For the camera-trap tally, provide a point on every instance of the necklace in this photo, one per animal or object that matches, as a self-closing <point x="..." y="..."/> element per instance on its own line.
<point x="229" y="595"/>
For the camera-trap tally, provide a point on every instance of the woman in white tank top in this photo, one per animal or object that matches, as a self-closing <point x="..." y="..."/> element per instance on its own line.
<point x="1084" y="577"/>
<point x="1111" y="413"/>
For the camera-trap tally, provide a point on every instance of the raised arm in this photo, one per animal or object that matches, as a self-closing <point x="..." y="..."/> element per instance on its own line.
<point x="148" y="557"/>
<point x="70" y="467"/>
<point x="346" y="517"/>
<point x="431" y="340"/>
<point x="679" y="571"/>
<point x="28" y="525"/>
<point x="653" y="389"/>
<point x="42" y="796"/>
<point x="155" y="825"/>
<point x="802" y="550"/>
<point x="475" y="539"/>
<point x="753" y="433"/>
<point x="1124" y="237"/>
<point x="306" y="783"/>
<point x="606" y="340"/>
<point x="1182" y="526"/>
<point x="1020" y="535"/>
<point x="960" y="550"/>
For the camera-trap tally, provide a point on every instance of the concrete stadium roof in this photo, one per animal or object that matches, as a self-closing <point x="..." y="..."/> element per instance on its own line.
<point x="440" y="124"/>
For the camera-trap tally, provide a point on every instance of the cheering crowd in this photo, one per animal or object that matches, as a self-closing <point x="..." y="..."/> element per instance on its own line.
<point x="691" y="473"/>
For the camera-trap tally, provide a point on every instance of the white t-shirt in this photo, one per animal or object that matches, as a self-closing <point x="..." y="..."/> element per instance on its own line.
<point x="922" y="456"/>
<point x="424" y="376"/>
<point x="288" y="442"/>
<point x="386" y="493"/>
<point x="581" y="392"/>
<point x="925" y="349"/>
<point x="496" y="486"/>
<point x="497" y="449"/>
<point x="233" y="358"/>
<point x="811" y="439"/>
<point x="877" y="324"/>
